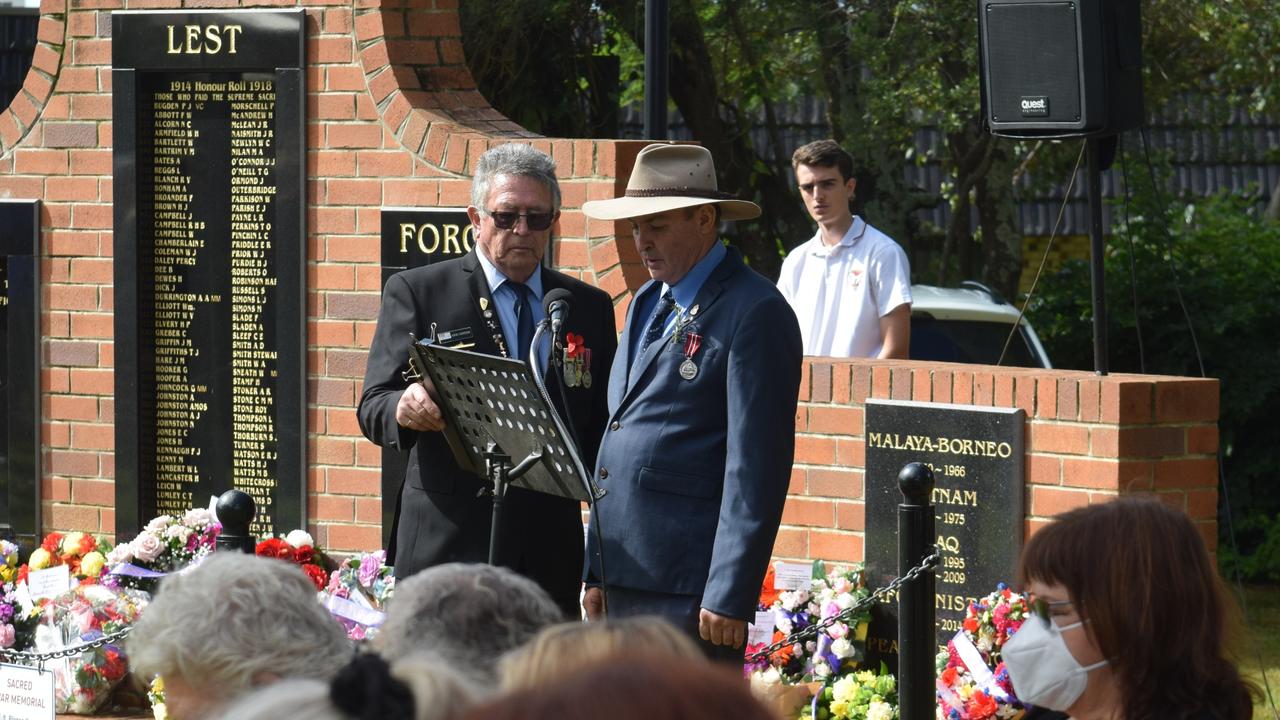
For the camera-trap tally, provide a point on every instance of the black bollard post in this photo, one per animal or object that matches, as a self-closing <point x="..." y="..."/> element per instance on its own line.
<point x="235" y="512"/>
<point x="916" y="634"/>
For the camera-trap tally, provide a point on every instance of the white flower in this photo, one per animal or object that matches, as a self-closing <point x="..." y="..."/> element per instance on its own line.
<point x="147" y="547"/>
<point x="178" y="532"/>
<point x="821" y="669"/>
<point x="298" y="538"/>
<point x="158" y="524"/>
<point x="846" y="601"/>
<point x="197" y="517"/>
<point x="879" y="711"/>
<point x="985" y="643"/>
<point x="122" y="553"/>
<point x="841" y="648"/>
<point x="764" y="681"/>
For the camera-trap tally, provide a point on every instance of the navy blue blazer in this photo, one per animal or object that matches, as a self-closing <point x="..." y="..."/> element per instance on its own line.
<point x="697" y="470"/>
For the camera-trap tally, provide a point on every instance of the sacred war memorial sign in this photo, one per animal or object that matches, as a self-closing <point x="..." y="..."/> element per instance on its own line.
<point x="977" y="459"/>
<point x="209" y="158"/>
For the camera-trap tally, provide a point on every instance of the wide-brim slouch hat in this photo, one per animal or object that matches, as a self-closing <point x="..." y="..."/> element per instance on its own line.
<point x="669" y="177"/>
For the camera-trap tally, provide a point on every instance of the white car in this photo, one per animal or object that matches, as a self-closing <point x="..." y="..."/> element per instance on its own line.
<point x="970" y="324"/>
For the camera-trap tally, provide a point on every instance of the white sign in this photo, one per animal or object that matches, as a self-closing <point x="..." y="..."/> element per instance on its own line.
<point x="25" y="693"/>
<point x="50" y="582"/>
<point x="760" y="632"/>
<point x="792" y="576"/>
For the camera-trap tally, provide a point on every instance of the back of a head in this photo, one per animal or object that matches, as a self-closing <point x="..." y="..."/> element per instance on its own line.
<point x="634" y="687"/>
<point x="562" y="650"/>
<point x="418" y="688"/>
<point x="256" y="618"/>
<point x="470" y="614"/>
<point x="1140" y="574"/>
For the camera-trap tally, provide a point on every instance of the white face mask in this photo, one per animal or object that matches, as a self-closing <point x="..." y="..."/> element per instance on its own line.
<point x="1041" y="667"/>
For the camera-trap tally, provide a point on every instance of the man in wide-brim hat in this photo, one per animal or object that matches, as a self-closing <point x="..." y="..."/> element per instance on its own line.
<point x="702" y="398"/>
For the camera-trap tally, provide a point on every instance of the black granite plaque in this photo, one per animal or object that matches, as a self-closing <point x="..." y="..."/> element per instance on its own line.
<point x="210" y="145"/>
<point x="976" y="455"/>
<point x="413" y="237"/>
<point x="20" y="369"/>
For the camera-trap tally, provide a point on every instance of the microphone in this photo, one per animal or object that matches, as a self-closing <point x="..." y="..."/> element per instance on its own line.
<point x="557" y="305"/>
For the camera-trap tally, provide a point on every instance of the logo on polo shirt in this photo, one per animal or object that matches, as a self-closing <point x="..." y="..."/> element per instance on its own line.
<point x="855" y="275"/>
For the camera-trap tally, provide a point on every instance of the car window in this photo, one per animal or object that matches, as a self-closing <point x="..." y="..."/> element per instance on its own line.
<point x="968" y="341"/>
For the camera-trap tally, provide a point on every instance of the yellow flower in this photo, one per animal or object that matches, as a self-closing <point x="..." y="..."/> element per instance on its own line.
<point x="7" y="573"/>
<point x="91" y="565"/>
<point x="71" y="543"/>
<point x="40" y="559"/>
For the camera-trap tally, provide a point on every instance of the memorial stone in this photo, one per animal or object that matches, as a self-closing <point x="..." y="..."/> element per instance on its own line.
<point x="210" y="133"/>
<point x="977" y="458"/>
<point x="19" y="369"/>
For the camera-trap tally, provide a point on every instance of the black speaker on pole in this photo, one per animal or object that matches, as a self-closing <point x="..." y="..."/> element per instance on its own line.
<point x="1060" y="68"/>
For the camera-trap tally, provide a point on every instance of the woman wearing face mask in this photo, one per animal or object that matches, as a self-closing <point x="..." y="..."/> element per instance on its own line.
<point x="1132" y="621"/>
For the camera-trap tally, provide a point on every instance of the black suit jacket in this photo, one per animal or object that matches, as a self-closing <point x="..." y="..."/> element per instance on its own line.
<point x="440" y="516"/>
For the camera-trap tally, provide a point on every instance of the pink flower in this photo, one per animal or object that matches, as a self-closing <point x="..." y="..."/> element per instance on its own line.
<point x="369" y="566"/>
<point x="147" y="547"/>
<point x="7" y="634"/>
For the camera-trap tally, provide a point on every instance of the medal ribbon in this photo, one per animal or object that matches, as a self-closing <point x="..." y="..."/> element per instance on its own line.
<point x="692" y="341"/>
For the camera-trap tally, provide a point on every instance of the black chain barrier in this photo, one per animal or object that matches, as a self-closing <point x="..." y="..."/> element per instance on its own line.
<point x="928" y="564"/>
<point x="36" y="659"/>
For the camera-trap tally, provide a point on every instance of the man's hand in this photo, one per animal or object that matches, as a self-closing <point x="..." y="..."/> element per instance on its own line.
<point x="417" y="411"/>
<point x="593" y="603"/>
<point x="721" y="630"/>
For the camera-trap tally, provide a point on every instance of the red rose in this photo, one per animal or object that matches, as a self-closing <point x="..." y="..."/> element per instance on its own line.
<point x="22" y="573"/>
<point x="317" y="575"/>
<point x="304" y="554"/>
<point x="52" y="543"/>
<point x="274" y="547"/>
<point x="88" y="544"/>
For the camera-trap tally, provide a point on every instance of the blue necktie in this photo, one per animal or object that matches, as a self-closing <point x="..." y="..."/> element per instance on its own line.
<point x="659" y="322"/>
<point x="524" y="319"/>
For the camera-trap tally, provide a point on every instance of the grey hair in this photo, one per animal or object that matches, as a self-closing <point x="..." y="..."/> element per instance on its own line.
<point x="468" y="613"/>
<point x="439" y="693"/>
<point x="513" y="159"/>
<point x="234" y="622"/>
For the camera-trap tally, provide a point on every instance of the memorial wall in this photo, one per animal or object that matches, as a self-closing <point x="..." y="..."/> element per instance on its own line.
<point x="209" y="263"/>
<point x="19" y="368"/>
<point x="166" y="300"/>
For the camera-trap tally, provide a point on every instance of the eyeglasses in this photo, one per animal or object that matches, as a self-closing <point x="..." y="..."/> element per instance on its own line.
<point x="535" y="221"/>
<point x="1043" y="608"/>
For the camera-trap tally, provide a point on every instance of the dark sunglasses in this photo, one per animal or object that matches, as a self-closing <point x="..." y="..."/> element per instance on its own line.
<point x="534" y="221"/>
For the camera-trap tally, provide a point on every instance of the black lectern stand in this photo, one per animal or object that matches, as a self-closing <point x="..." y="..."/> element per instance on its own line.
<point x="493" y="412"/>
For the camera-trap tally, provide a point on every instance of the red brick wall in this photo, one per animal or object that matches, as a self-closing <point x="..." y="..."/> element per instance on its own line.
<point x="1088" y="439"/>
<point x="394" y="118"/>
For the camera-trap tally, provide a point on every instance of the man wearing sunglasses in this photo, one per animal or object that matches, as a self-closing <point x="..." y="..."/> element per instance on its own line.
<point x="488" y="302"/>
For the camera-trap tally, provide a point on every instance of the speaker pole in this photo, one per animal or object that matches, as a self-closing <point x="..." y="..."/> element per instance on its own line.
<point x="1095" y="148"/>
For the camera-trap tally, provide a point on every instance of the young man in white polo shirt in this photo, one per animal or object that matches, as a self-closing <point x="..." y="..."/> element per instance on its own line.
<point x="850" y="285"/>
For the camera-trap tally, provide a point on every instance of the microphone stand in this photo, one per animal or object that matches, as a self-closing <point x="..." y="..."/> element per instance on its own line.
<point x="535" y="365"/>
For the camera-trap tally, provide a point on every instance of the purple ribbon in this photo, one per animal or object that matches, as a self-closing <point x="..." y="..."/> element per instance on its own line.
<point x="132" y="570"/>
<point x="355" y="612"/>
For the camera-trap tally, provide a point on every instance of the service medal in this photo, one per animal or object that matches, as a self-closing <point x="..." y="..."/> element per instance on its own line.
<point x="688" y="369"/>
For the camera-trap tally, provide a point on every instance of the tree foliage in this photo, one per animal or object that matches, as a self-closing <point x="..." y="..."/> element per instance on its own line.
<point x="1188" y="283"/>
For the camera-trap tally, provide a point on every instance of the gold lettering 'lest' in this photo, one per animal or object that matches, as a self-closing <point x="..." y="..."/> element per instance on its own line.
<point x="203" y="39"/>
